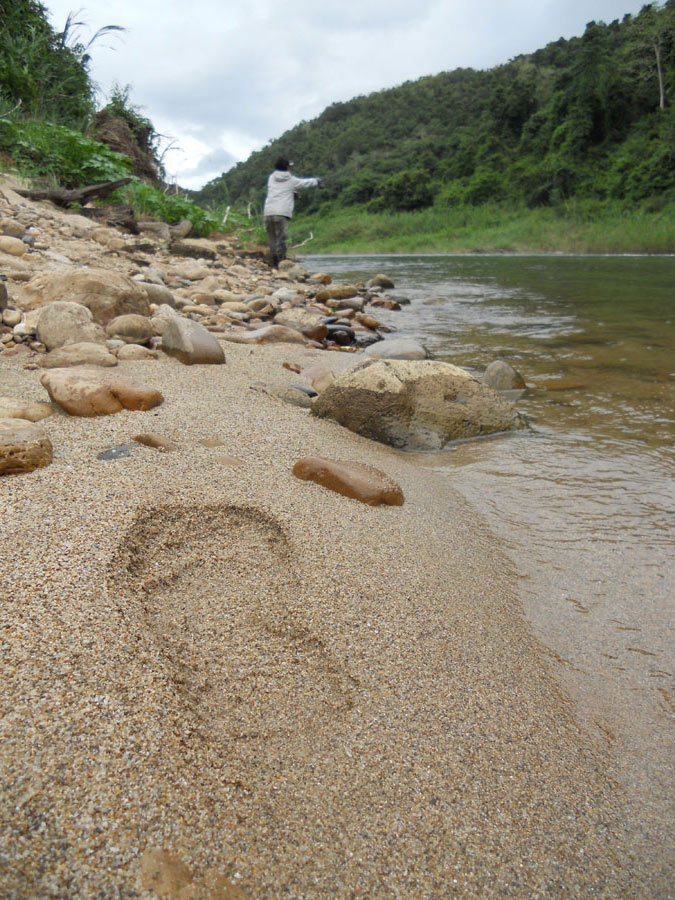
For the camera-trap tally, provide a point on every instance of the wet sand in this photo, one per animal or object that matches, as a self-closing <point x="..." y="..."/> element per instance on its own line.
<point x="284" y="689"/>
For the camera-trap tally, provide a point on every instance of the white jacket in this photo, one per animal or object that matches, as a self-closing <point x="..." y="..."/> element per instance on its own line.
<point x="281" y="188"/>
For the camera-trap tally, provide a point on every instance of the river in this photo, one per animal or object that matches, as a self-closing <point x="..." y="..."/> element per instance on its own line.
<point x="584" y="502"/>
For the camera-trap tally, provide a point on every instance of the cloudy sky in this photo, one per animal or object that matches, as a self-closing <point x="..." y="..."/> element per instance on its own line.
<point x="221" y="78"/>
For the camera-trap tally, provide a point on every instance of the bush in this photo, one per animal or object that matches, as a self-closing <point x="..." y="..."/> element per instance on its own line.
<point x="484" y="186"/>
<point x="41" y="149"/>
<point x="410" y="189"/>
<point x="146" y="200"/>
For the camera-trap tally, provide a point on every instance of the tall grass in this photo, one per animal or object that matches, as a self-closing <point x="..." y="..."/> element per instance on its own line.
<point x="577" y="227"/>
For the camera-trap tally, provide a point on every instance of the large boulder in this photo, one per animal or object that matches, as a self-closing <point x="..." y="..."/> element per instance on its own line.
<point x="415" y="405"/>
<point x="191" y="343"/>
<point x="106" y="294"/>
<point x="63" y="322"/>
<point x="87" y="392"/>
<point x="24" y="446"/>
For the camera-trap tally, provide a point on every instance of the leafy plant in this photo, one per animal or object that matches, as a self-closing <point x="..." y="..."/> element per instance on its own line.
<point x="44" y="150"/>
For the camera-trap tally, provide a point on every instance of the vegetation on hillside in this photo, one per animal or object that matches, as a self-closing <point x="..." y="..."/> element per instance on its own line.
<point x="587" y="119"/>
<point x="51" y="131"/>
<point x="570" y="148"/>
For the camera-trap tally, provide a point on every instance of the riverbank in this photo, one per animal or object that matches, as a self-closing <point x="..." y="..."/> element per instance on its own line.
<point x="380" y="721"/>
<point x="577" y="227"/>
<point x="221" y="680"/>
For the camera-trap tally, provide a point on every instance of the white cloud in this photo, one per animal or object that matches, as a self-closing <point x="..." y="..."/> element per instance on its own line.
<point x="224" y="79"/>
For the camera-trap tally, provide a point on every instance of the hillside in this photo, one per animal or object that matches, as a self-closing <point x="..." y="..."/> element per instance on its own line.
<point x="590" y="117"/>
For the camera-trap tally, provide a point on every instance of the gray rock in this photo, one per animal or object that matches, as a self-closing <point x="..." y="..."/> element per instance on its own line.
<point x="401" y="348"/>
<point x="158" y="293"/>
<point x="501" y="376"/>
<point x="63" y="322"/>
<point x="191" y="343"/>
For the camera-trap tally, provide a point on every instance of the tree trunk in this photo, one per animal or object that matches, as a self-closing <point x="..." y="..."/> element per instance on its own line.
<point x="659" y="73"/>
<point x="66" y="198"/>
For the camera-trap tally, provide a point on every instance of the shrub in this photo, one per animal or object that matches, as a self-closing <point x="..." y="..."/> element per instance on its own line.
<point x="41" y="149"/>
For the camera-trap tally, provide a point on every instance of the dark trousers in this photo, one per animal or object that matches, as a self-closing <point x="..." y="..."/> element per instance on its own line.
<point x="277" y="237"/>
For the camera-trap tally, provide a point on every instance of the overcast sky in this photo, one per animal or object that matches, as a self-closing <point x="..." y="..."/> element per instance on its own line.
<point x="224" y="77"/>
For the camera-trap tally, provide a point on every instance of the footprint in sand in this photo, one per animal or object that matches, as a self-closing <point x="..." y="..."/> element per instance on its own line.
<point x="218" y="593"/>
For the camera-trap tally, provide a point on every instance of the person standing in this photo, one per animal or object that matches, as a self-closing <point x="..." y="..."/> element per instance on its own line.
<point x="279" y="203"/>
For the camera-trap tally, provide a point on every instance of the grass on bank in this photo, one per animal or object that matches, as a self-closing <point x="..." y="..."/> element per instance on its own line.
<point x="576" y="227"/>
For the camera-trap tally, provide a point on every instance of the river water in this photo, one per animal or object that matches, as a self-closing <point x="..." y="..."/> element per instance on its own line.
<point x="585" y="501"/>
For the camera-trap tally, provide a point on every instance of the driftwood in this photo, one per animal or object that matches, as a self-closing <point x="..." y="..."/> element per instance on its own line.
<point x="115" y="216"/>
<point x="76" y="195"/>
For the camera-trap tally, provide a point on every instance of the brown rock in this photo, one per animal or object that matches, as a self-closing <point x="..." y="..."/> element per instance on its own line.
<point x="501" y="376"/>
<point x="80" y="354"/>
<point x="322" y="380"/>
<point x="11" y="227"/>
<point x="156" y="441"/>
<point x="306" y="323"/>
<point x="11" y="317"/>
<point x="86" y="392"/>
<point x="269" y="334"/>
<point x="130" y="328"/>
<point x="24" y="446"/>
<point x="160" y="230"/>
<point x="157" y="293"/>
<point x="193" y="248"/>
<point x="341" y="291"/>
<point x="385" y="303"/>
<point x="415" y="405"/>
<point x="17" y="350"/>
<point x="382" y="281"/>
<point x="11" y="245"/>
<point x="351" y="479"/>
<point x="368" y="321"/>
<point x="107" y="294"/>
<point x="181" y="230"/>
<point x="135" y="351"/>
<point x="19" y="409"/>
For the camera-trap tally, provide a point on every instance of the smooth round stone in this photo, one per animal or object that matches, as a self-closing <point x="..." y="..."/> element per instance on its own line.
<point x="400" y="348"/>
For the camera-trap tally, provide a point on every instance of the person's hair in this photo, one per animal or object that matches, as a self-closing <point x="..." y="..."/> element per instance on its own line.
<point x="282" y="164"/>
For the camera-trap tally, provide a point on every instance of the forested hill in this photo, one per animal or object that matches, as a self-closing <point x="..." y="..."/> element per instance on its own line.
<point x="593" y="116"/>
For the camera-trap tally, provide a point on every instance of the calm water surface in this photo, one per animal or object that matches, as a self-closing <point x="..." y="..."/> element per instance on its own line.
<point x="585" y="502"/>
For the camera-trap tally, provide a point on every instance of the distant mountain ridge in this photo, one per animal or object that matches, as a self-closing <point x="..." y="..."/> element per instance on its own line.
<point x="590" y="117"/>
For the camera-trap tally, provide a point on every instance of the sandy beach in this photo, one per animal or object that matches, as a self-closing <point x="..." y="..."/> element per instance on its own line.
<point x="221" y="681"/>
